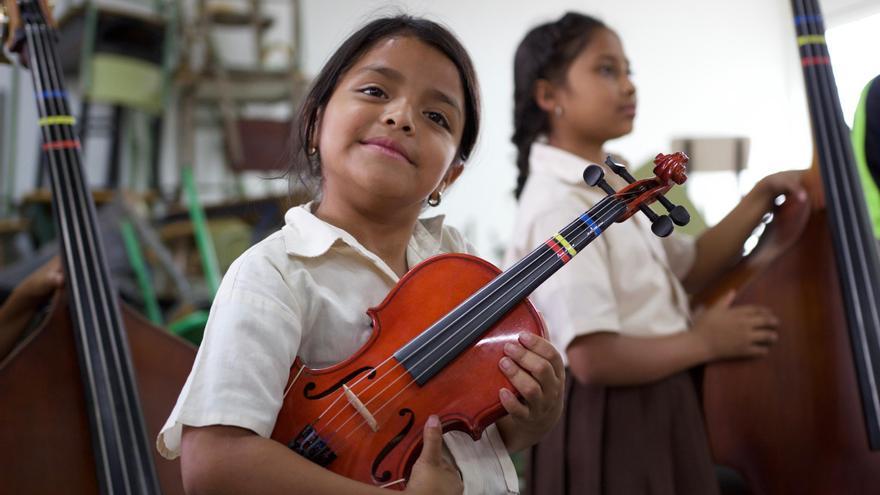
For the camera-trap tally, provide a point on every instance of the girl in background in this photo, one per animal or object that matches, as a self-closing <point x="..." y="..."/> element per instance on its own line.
<point x="620" y="314"/>
<point x="386" y="128"/>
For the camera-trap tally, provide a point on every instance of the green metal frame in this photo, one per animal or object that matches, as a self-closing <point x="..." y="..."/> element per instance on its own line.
<point x="204" y="242"/>
<point x="145" y="283"/>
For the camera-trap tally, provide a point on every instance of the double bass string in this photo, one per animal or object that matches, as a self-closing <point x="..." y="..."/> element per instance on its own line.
<point x="67" y="163"/>
<point x="64" y="207"/>
<point x="103" y="406"/>
<point x="856" y="261"/>
<point x="867" y="253"/>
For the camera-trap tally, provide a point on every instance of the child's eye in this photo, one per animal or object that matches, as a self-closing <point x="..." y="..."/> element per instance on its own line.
<point x="373" y="91"/>
<point x="438" y="118"/>
<point x="608" y="70"/>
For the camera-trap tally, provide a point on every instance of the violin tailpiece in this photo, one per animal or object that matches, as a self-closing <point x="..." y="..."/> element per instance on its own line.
<point x="311" y="446"/>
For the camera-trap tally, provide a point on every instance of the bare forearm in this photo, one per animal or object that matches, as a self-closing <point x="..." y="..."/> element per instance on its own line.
<point x="225" y="460"/>
<point x="608" y="358"/>
<point x="720" y="247"/>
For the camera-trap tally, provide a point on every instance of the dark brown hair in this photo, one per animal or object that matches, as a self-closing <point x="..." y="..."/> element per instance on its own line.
<point x="305" y="166"/>
<point x="546" y="52"/>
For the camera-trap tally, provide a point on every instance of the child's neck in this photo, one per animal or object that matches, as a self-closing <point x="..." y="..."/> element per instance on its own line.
<point x="385" y="236"/>
<point x="589" y="150"/>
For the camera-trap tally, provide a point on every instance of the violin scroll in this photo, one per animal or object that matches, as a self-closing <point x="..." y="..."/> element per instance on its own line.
<point x="671" y="167"/>
<point x="669" y="170"/>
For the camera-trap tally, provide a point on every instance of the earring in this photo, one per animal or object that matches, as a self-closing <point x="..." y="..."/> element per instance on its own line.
<point x="435" y="201"/>
<point x="558" y="111"/>
<point x="313" y="151"/>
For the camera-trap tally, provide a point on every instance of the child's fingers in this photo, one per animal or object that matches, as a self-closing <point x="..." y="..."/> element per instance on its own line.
<point x="524" y="382"/>
<point x="545" y="349"/>
<point x="433" y="441"/>
<point x="536" y="365"/>
<point x="764" y="337"/>
<point x="757" y="350"/>
<point x="512" y="405"/>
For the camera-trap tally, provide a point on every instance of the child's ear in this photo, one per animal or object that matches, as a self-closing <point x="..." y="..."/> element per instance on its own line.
<point x="315" y="138"/>
<point x="545" y="95"/>
<point x="452" y="174"/>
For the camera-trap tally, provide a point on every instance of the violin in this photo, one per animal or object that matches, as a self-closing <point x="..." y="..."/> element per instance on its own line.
<point x="806" y="418"/>
<point x="85" y="394"/>
<point x="435" y="340"/>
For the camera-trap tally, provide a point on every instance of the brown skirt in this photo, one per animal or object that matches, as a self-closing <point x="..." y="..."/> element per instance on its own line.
<point x="647" y="440"/>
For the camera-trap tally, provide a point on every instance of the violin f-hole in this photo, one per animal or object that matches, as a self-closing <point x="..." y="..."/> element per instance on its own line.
<point x="307" y="390"/>
<point x="391" y="445"/>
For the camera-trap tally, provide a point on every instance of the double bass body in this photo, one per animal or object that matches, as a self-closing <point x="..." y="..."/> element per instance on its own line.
<point x="792" y="422"/>
<point x="45" y="438"/>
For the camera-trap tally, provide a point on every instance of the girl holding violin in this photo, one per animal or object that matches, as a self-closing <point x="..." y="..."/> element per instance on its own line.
<point x="632" y="422"/>
<point x="386" y="128"/>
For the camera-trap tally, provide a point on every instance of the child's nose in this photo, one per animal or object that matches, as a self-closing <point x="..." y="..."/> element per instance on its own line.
<point x="399" y="117"/>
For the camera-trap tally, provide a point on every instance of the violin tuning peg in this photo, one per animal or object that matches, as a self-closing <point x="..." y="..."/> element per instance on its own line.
<point x="653" y="217"/>
<point x="619" y="169"/>
<point x="662" y="227"/>
<point x="679" y="213"/>
<point x="595" y="176"/>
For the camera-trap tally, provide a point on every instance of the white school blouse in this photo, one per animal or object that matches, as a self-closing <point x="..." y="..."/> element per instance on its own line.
<point x="304" y="290"/>
<point x="625" y="281"/>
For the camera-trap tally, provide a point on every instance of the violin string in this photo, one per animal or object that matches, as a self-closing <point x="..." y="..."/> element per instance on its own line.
<point x="377" y="372"/>
<point x="518" y="286"/>
<point x="578" y="233"/>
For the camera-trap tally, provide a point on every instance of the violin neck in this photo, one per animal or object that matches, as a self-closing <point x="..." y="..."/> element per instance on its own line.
<point x="121" y="449"/>
<point x="854" y="243"/>
<point x="427" y="354"/>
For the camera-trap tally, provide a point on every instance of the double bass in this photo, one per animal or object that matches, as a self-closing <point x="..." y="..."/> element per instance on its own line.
<point x="806" y="418"/>
<point x="84" y="395"/>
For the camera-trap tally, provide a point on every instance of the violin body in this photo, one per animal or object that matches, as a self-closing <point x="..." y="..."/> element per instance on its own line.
<point x="45" y="444"/>
<point x="436" y="343"/>
<point x="464" y="396"/>
<point x="791" y="422"/>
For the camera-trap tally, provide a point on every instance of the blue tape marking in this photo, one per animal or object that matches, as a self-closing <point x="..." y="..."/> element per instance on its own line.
<point x="589" y="221"/>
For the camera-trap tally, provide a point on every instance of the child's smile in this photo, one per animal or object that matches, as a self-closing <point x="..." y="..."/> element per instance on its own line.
<point x="400" y="104"/>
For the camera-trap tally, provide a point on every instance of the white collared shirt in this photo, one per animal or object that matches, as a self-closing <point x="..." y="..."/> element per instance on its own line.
<point x="625" y="281"/>
<point x="304" y="290"/>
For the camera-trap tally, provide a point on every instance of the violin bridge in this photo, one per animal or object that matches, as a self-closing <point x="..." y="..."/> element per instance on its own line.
<point x="360" y="408"/>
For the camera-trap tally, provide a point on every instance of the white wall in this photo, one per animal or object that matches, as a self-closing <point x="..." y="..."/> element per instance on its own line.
<point x="702" y="67"/>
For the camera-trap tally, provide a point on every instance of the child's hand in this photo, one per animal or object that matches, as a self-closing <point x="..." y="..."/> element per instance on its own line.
<point x="38" y="285"/>
<point x="736" y="331"/>
<point x="535" y="369"/>
<point x="432" y="474"/>
<point x="788" y="182"/>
